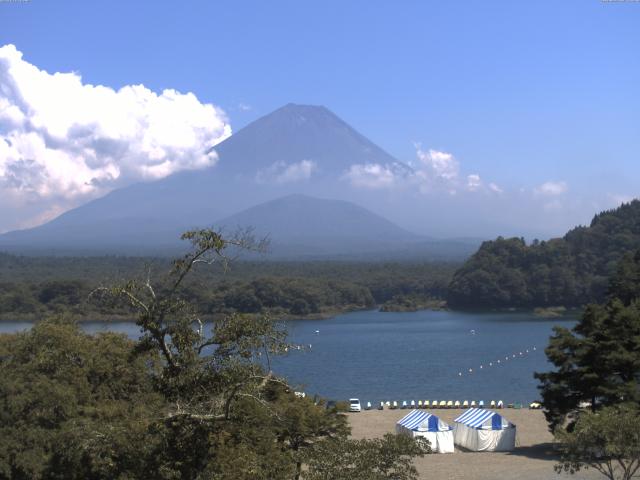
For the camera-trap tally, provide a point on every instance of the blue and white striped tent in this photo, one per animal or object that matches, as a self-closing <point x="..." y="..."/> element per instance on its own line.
<point x="484" y="430"/>
<point x="419" y="423"/>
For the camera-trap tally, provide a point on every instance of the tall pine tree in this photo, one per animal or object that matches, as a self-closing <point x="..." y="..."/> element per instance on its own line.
<point x="598" y="361"/>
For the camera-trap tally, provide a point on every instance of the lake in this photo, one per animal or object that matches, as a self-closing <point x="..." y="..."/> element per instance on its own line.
<point x="379" y="356"/>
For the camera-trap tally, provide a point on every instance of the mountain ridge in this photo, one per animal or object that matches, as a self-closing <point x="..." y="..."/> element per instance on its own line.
<point x="319" y="226"/>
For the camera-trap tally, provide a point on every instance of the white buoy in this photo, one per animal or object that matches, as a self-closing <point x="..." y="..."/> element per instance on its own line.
<point x="480" y="366"/>
<point x="490" y="364"/>
<point x="459" y="374"/>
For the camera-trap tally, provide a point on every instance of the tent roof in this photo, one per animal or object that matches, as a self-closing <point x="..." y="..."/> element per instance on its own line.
<point x="476" y="417"/>
<point x="415" y="418"/>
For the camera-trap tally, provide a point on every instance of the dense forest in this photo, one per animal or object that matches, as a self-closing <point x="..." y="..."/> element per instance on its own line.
<point x="179" y="403"/>
<point x="568" y="271"/>
<point x="33" y="287"/>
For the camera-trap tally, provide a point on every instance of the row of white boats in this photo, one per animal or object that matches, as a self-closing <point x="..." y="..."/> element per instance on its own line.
<point x="447" y="404"/>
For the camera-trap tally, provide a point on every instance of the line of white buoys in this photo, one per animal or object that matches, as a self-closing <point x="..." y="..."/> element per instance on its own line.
<point x="499" y="361"/>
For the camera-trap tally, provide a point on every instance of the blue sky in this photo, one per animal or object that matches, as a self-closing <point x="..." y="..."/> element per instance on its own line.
<point x="521" y="93"/>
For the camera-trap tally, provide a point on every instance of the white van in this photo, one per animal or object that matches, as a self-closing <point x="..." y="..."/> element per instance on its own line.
<point x="354" y="405"/>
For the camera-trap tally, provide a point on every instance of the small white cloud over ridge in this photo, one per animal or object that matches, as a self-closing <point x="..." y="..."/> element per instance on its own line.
<point x="282" y="172"/>
<point x="551" y="189"/>
<point x="372" y="175"/>
<point x="495" y="188"/>
<point x="473" y="182"/>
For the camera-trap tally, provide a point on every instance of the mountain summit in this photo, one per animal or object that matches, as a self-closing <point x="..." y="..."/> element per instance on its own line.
<point x="295" y="133"/>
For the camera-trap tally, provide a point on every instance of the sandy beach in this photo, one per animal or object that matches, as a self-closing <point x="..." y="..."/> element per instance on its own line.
<point x="533" y="458"/>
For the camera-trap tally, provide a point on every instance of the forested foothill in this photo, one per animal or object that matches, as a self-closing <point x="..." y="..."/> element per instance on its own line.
<point x="33" y="287"/>
<point x="571" y="271"/>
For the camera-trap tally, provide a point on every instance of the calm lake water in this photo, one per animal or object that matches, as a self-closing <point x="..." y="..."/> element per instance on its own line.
<point x="378" y="356"/>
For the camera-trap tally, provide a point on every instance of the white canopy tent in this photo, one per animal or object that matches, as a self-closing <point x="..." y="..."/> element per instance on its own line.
<point x="424" y="424"/>
<point x="484" y="431"/>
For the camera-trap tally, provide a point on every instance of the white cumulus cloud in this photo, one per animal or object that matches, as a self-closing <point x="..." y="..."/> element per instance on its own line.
<point x="282" y="172"/>
<point x="437" y="165"/>
<point x="551" y="189"/>
<point x="62" y="140"/>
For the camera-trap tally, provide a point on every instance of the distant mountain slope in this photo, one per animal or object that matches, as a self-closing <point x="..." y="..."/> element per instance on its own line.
<point x="570" y="271"/>
<point x="297" y="223"/>
<point x="252" y="169"/>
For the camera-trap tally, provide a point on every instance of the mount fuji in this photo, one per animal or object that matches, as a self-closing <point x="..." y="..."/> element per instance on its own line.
<point x="259" y="177"/>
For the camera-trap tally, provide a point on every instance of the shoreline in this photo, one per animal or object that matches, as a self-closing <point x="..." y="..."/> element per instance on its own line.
<point x="326" y="315"/>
